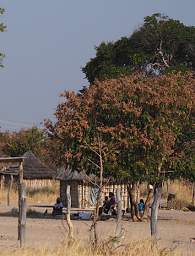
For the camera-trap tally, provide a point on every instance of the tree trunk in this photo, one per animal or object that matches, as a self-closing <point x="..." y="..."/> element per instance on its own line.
<point x="193" y="193"/>
<point x="68" y="220"/>
<point x="154" y="209"/>
<point x="167" y="183"/>
<point x="133" y="191"/>
<point x="93" y="229"/>
<point x="148" y="202"/>
<point x="118" y="230"/>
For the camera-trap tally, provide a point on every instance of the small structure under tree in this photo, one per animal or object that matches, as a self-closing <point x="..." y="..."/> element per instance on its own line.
<point x="83" y="188"/>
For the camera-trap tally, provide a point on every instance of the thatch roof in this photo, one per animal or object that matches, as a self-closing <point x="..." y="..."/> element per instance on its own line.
<point x="70" y="175"/>
<point x="33" y="168"/>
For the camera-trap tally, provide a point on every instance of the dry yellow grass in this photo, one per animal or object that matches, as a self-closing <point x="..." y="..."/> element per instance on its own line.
<point x="183" y="192"/>
<point x="182" y="189"/>
<point x="141" y="248"/>
<point x="41" y="195"/>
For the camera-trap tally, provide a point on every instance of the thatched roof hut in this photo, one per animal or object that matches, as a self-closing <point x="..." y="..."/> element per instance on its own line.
<point x="73" y="178"/>
<point x="84" y="187"/>
<point x="68" y="175"/>
<point x="33" y="168"/>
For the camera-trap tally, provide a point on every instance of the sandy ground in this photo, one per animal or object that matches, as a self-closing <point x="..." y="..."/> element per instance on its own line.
<point x="175" y="228"/>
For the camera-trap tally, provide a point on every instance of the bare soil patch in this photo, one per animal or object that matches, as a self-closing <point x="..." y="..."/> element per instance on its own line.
<point x="176" y="229"/>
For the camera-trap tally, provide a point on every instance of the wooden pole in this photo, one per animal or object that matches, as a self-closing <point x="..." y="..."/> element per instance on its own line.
<point x="21" y="173"/>
<point x="22" y="215"/>
<point x="154" y="209"/>
<point x="118" y="230"/>
<point x="21" y="206"/>
<point x="148" y="202"/>
<point x="193" y="193"/>
<point x="69" y="222"/>
<point x="9" y="189"/>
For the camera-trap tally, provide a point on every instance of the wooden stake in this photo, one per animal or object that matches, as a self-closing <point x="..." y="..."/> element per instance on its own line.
<point x="69" y="222"/>
<point x="193" y="193"/>
<point x="9" y="189"/>
<point x="21" y="173"/>
<point x="22" y="214"/>
<point x="118" y="230"/>
<point x="154" y="209"/>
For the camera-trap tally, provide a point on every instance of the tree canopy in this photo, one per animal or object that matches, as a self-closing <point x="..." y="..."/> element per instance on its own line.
<point x="142" y="122"/>
<point x="160" y="45"/>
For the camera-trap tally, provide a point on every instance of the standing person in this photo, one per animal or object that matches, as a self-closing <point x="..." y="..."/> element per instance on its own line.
<point x="141" y="207"/>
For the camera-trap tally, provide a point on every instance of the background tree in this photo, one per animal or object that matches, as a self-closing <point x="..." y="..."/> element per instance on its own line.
<point x="18" y="143"/>
<point x="160" y="45"/>
<point x="2" y="29"/>
<point x="3" y="140"/>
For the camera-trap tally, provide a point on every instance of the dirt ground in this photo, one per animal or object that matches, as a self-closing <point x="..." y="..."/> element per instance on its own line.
<point x="176" y="229"/>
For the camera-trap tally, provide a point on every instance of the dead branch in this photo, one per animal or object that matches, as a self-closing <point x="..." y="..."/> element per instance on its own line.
<point x="160" y="52"/>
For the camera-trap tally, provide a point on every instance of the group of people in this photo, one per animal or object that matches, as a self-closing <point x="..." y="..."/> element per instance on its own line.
<point x="109" y="206"/>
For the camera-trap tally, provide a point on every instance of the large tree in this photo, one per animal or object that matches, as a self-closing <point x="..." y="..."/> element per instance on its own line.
<point x="160" y="45"/>
<point x="141" y="122"/>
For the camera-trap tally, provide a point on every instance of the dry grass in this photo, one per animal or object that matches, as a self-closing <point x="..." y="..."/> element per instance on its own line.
<point x="183" y="192"/>
<point x="34" y="195"/>
<point x="141" y="248"/>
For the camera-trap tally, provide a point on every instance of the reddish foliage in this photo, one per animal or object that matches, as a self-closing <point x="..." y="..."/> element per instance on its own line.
<point x="143" y="116"/>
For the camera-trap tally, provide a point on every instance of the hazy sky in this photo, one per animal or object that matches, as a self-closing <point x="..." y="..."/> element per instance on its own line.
<point x="48" y="41"/>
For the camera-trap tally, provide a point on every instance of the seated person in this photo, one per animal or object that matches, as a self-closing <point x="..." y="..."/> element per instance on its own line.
<point x="141" y="207"/>
<point x="109" y="204"/>
<point x="105" y="203"/>
<point x="57" y="209"/>
<point x="112" y="204"/>
<point x="103" y="209"/>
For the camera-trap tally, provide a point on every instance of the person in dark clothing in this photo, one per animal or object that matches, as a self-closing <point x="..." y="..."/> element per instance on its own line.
<point x="112" y="203"/>
<point x="58" y="207"/>
<point x="105" y="207"/>
<point x="108" y="205"/>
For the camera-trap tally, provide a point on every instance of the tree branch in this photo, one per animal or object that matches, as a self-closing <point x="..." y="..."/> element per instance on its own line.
<point x="162" y="55"/>
<point x="93" y="150"/>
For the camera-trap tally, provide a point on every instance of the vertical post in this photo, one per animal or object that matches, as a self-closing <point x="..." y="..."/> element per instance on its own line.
<point x="147" y="202"/>
<point x="22" y="215"/>
<point x="9" y="189"/>
<point x="118" y="230"/>
<point x="2" y="182"/>
<point x="69" y="223"/>
<point x="193" y="193"/>
<point x="21" y="173"/>
<point x="154" y="209"/>
<point x="21" y="206"/>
